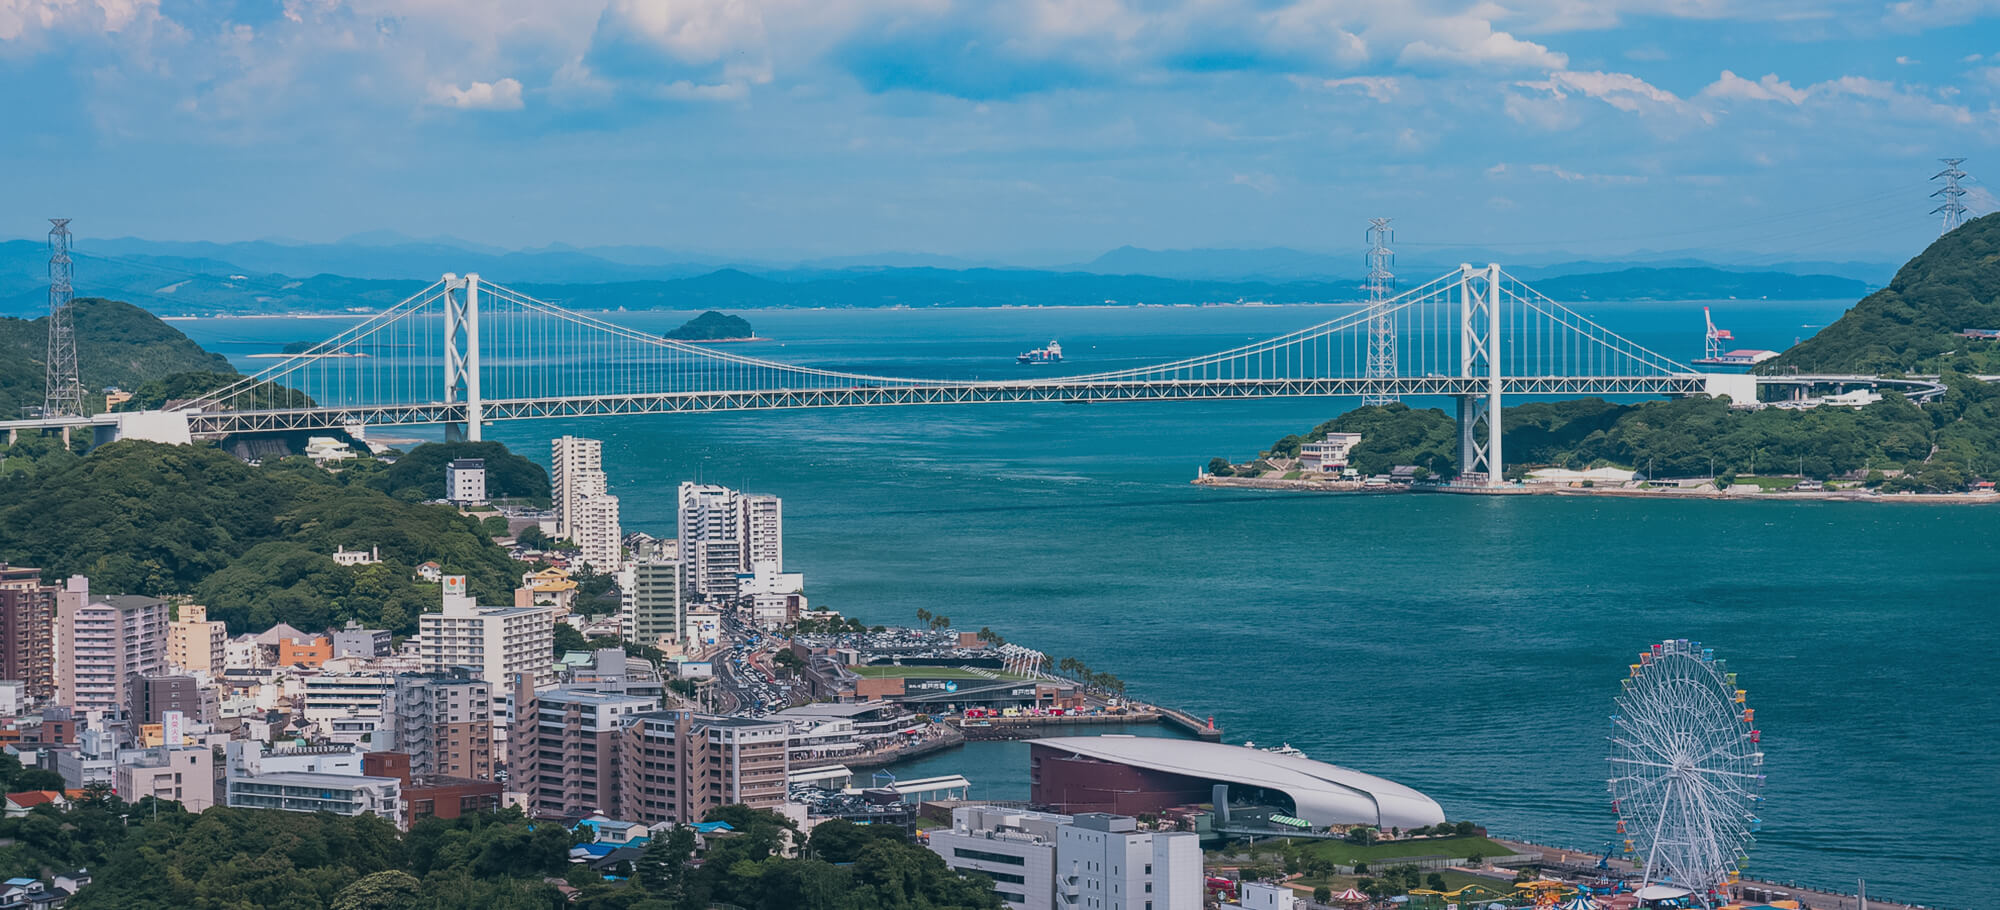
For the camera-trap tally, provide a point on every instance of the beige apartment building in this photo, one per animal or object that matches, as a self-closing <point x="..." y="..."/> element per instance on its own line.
<point x="195" y="643"/>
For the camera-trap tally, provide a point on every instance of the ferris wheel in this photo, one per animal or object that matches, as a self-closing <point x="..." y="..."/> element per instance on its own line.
<point x="1686" y="769"/>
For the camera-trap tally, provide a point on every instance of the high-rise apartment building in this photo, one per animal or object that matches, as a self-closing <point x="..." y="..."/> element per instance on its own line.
<point x="586" y="512"/>
<point x="595" y="530"/>
<point x="653" y="614"/>
<point x="195" y="643"/>
<point x="492" y="643"/>
<point x="576" y="469"/>
<point x="103" y="642"/>
<point x="27" y="630"/>
<point x="444" y="724"/>
<point x="677" y="765"/>
<point x="723" y="534"/>
<point x="563" y="748"/>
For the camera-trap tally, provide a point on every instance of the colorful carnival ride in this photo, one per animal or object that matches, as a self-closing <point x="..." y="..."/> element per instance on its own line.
<point x="1687" y="771"/>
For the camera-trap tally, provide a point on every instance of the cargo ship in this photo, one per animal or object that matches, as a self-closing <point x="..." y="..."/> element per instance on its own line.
<point x="1050" y="354"/>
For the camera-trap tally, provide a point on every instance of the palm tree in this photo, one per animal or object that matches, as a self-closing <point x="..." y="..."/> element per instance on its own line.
<point x="923" y="615"/>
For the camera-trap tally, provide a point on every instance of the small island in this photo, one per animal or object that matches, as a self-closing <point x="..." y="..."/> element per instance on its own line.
<point x="714" y="326"/>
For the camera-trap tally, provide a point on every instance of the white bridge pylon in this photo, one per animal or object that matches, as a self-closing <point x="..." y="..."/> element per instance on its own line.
<point x="463" y="352"/>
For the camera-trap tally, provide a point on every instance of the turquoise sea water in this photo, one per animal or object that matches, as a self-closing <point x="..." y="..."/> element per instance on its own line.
<point x="1468" y="647"/>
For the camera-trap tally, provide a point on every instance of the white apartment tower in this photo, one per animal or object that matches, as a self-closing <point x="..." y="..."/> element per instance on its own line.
<point x="576" y="469"/>
<point x="653" y="612"/>
<point x="586" y="512"/>
<point x="725" y="534"/>
<point x="493" y="642"/>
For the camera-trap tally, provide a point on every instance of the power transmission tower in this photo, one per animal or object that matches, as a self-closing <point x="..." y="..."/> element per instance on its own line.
<point x="64" y="385"/>
<point x="1952" y="209"/>
<point x="1381" y="328"/>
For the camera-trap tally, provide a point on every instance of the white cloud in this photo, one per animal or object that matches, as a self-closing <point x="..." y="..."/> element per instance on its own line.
<point x="1474" y="42"/>
<point x="502" y="95"/>
<point x="1769" y="88"/>
<point x="1907" y="61"/>
<point x="1920" y="14"/>
<point x="1569" y="176"/>
<point x="1261" y="182"/>
<point x="1380" y="88"/>
<point x="21" y="19"/>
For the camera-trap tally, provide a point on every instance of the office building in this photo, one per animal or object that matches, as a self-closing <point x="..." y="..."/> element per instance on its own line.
<point x="493" y="643"/>
<point x="197" y="644"/>
<point x="444" y="724"/>
<point x="307" y="779"/>
<point x="1105" y="861"/>
<point x="723" y="534"/>
<point x="354" y="641"/>
<point x="27" y="630"/>
<point x="184" y="774"/>
<point x="102" y="642"/>
<point x="1014" y="847"/>
<point x="436" y="797"/>
<point x="465" y="480"/>
<point x="1041" y="860"/>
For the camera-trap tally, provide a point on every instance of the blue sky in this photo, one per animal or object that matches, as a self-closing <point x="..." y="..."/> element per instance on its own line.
<point x="1016" y="130"/>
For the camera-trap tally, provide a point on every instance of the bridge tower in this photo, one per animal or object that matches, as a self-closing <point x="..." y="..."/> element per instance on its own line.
<point x="1479" y="357"/>
<point x="63" y="383"/>
<point x="461" y="354"/>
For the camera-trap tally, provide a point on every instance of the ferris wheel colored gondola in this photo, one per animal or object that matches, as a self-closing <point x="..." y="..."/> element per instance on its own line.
<point x="1686" y="769"/>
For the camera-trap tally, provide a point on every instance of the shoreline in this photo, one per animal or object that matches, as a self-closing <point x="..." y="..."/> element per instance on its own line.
<point x="1532" y="489"/>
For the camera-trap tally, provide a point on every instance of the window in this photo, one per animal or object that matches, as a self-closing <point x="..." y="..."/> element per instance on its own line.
<point x="984" y="856"/>
<point x="1149" y="868"/>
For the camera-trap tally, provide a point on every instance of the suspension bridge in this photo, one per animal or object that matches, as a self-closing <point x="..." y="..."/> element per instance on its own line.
<point x="464" y="352"/>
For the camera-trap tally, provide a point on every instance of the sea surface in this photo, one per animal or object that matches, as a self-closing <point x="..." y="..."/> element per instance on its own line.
<point x="1469" y="647"/>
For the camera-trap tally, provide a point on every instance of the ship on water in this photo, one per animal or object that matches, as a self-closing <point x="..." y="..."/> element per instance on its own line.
<point x="1050" y="354"/>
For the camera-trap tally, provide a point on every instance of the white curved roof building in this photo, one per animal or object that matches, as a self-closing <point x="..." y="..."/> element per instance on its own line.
<point x="1131" y="774"/>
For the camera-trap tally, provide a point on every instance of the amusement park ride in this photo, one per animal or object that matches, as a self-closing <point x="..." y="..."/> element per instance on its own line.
<point x="1687" y="773"/>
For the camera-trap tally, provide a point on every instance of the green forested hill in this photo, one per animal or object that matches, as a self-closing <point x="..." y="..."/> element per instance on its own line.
<point x="1913" y="324"/>
<point x="118" y="344"/>
<point x="253" y="543"/>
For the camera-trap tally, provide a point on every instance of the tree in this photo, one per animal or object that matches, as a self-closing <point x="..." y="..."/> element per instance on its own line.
<point x="1322" y="895"/>
<point x="393" y="889"/>
<point x="1467" y="829"/>
<point x="1220" y="467"/>
<point x="662" y="869"/>
<point x="569" y="639"/>
<point x="532" y="538"/>
<point x="1434" y="881"/>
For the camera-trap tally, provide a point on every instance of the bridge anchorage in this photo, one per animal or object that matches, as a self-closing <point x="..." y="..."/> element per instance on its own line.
<point x="464" y="352"/>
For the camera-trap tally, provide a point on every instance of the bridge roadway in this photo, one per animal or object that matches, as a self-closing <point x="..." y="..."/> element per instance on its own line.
<point x="223" y="423"/>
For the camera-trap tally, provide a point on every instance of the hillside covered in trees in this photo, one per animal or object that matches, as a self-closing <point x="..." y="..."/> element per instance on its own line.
<point x="1940" y="448"/>
<point x="253" y="543"/>
<point x="154" y="856"/>
<point x="118" y="345"/>
<point x="1912" y="325"/>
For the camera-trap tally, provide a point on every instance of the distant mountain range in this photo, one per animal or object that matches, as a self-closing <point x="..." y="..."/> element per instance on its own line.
<point x="367" y="272"/>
